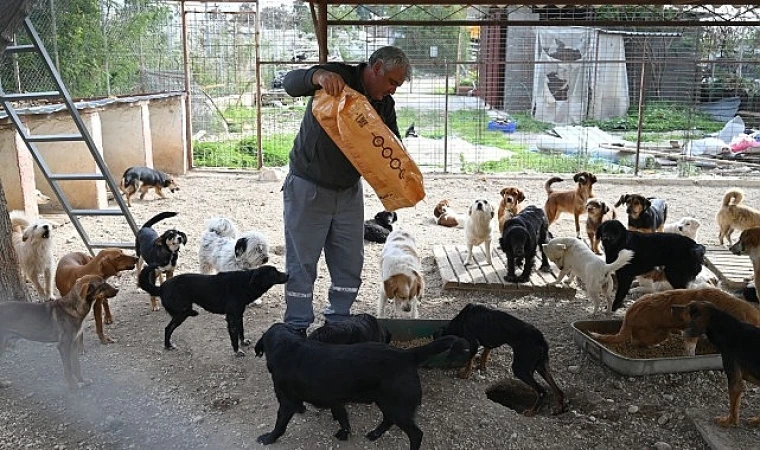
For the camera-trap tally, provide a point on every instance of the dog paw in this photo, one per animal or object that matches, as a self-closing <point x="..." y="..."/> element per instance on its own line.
<point x="373" y="435"/>
<point x="545" y="269"/>
<point x="342" y="434"/>
<point x="106" y="340"/>
<point x="239" y="354"/>
<point x="300" y="409"/>
<point x="266" y="439"/>
<point x="108" y="320"/>
<point x="725" y="421"/>
<point x="170" y="347"/>
<point x="510" y="278"/>
<point x="245" y="342"/>
<point x="155" y="308"/>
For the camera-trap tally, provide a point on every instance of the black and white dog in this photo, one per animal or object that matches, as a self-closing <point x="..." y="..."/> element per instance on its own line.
<point x="157" y="251"/>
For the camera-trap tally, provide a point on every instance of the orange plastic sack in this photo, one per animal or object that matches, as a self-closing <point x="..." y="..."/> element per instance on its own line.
<point x="373" y="149"/>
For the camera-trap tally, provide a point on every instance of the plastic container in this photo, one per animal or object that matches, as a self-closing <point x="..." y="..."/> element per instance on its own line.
<point x="632" y="366"/>
<point x="409" y="329"/>
<point x="506" y="127"/>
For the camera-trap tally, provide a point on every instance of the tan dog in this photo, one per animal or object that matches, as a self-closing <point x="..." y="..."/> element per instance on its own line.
<point x="33" y="242"/>
<point x="105" y="264"/>
<point x="402" y="274"/>
<point x="734" y="215"/>
<point x="650" y="320"/>
<point x="445" y="216"/>
<point x="510" y="204"/>
<point x="749" y="244"/>
<point x="572" y="201"/>
<point x="597" y="211"/>
<point x="57" y="321"/>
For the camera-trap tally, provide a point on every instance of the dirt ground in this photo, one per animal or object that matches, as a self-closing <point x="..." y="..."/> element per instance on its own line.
<point x="201" y="396"/>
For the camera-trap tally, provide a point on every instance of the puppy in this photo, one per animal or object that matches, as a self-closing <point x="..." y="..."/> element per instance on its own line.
<point x="33" y="242"/>
<point x="402" y="279"/>
<point x="478" y="228"/>
<point x="445" y="216"/>
<point x="734" y="339"/>
<point x="749" y="244"/>
<point x="522" y="235"/>
<point x="597" y="211"/>
<point x="573" y="201"/>
<point x="377" y="229"/>
<point x="646" y="215"/>
<point x="160" y="252"/>
<point x="573" y="257"/>
<point x="680" y="257"/>
<point x="510" y="204"/>
<point x="367" y="372"/>
<point x="107" y="263"/>
<point x="223" y="250"/>
<point x="357" y="328"/>
<point x="225" y="293"/>
<point x="686" y="226"/>
<point x="735" y="215"/>
<point x="651" y="319"/>
<point x="139" y="178"/>
<point x="58" y="321"/>
<point x="491" y="328"/>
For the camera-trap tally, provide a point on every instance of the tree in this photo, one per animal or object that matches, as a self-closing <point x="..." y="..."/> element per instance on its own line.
<point x="12" y="13"/>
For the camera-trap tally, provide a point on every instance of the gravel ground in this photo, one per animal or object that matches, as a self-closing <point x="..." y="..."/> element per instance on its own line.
<point x="201" y="396"/>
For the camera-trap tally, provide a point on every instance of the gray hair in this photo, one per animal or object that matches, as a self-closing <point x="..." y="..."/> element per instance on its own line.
<point x="392" y="57"/>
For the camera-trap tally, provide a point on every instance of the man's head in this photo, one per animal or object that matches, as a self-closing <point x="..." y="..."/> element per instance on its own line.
<point x="387" y="69"/>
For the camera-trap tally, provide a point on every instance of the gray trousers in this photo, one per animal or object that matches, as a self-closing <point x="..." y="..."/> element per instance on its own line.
<point x="318" y="219"/>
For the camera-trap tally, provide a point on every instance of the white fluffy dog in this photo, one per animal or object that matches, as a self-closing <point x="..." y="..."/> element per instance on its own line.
<point x="572" y="256"/>
<point x="686" y="226"/>
<point x="223" y="249"/>
<point x="402" y="279"/>
<point x="33" y="243"/>
<point x="479" y="227"/>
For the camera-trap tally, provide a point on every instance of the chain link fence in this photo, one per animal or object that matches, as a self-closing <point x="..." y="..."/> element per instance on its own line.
<point x="494" y="89"/>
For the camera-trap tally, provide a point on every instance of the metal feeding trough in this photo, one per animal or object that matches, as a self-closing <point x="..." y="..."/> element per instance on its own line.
<point x="406" y="330"/>
<point x="633" y="366"/>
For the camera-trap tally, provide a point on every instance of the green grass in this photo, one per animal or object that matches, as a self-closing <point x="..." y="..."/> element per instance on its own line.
<point x="660" y="117"/>
<point x="242" y="153"/>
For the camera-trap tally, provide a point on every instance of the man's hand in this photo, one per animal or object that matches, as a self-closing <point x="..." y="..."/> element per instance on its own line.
<point x="331" y="82"/>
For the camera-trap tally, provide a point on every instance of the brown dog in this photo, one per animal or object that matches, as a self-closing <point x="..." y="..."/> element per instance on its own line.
<point x="510" y="206"/>
<point x="597" y="211"/>
<point x="645" y="214"/>
<point x="105" y="264"/>
<point x="734" y="340"/>
<point x="734" y="215"/>
<point x="650" y="320"/>
<point x="444" y="215"/>
<point x="572" y="201"/>
<point x="56" y="321"/>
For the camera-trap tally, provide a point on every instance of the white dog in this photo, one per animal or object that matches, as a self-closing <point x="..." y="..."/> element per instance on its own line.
<point x="402" y="274"/>
<point x="686" y="226"/>
<point x="223" y="249"/>
<point x="571" y="255"/>
<point x="33" y="243"/>
<point x="478" y="228"/>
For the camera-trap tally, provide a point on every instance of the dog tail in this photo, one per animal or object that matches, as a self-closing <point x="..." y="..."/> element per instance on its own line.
<point x="624" y="257"/>
<point x="737" y="195"/>
<point x="549" y="182"/>
<point x="159" y="217"/>
<point x="454" y="344"/>
<point x="621" y="337"/>
<point x="19" y="222"/>
<point x="147" y="281"/>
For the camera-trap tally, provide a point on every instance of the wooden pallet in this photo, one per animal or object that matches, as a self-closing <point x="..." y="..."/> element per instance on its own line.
<point x="482" y="276"/>
<point x="733" y="271"/>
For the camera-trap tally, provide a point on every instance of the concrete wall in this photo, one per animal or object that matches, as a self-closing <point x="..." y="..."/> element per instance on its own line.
<point x="127" y="137"/>
<point x="168" y="133"/>
<point x="17" y="172"/>
<point x="70" y="157"/>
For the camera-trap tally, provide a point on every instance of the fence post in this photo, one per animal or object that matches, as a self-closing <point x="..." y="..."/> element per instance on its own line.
<point x="641" y="107"/>
<point x="446" y="119"/>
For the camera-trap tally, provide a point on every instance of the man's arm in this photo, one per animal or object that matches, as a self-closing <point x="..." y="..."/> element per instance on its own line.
<point x="305" y="82"/>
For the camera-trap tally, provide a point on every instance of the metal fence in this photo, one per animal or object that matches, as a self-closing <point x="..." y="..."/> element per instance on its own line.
<point x="494" y="88"/>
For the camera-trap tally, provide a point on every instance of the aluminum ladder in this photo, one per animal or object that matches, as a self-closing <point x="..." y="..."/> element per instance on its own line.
<point x="54" y="179"/>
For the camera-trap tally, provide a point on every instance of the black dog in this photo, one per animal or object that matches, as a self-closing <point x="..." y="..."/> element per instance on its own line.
<point x="225" y="293"/>
<point x="378" y="229"/>
<point x="491" y="328"/>
<point x="358" y="328"/>
<point x="736" y="341"/>
<point x="160" y="252"/>
<point x="522" y="234"/>
<point x="646" y="215"/>
<point x="680" y="257"/>
<point x="140" y="178"/>
<point x="329" y="376"/>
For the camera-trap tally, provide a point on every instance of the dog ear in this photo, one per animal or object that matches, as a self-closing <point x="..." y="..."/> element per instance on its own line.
<point x="492" y="213"/>
<point x="623" y="199"/>
<point x="184" y="237"/>
<point x="646" y="202"/>
<point x="240" y="247"/>
<point x="592" y="178"/>
<point x="390" y="286"/>
<point x="394" y="216"/>
<point x="418" y="286"/>
<point x="503" y="191"/>
<point x="520" y="195"/>
<point x="580" y="177"/>
<point x="605" y="208"/>
<point x="27" y="233"/>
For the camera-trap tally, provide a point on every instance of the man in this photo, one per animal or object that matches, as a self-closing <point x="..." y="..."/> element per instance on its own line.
<point x="323" y="197"/>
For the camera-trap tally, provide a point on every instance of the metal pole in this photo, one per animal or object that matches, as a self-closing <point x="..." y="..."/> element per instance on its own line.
<point x="188" y="92"/>
<point x="257" y="50"/>
<point x="54" y="29"/>
<point x="641" y="108"/>
<point x="446" y="121"/>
